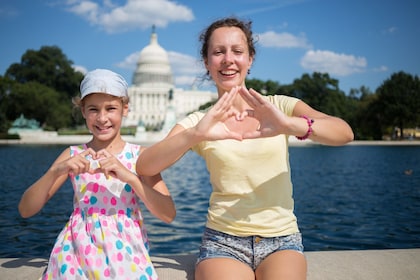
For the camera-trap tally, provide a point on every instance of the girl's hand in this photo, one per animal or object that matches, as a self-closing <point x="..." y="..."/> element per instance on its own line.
<point x="111" y="166"/>
<point x="75" y="165"/>
<point x="211" y="126"/>
<point x="272" y="121"/>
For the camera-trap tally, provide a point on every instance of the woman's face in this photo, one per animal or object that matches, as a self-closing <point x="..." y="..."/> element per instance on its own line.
<point x="228" y="59"/>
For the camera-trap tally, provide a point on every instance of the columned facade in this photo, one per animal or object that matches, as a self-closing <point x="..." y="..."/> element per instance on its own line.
<point x="153" y="94"/>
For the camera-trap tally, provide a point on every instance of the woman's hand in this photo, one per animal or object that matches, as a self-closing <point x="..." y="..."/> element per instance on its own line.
<point x="211" y="126"/>
<point x="272" y="120"/>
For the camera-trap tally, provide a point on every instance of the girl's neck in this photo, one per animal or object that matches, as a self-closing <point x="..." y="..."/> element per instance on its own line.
<point x="114" y="146"/>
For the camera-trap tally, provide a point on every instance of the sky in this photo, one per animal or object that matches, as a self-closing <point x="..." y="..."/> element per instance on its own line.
<point x="358" y="42"/>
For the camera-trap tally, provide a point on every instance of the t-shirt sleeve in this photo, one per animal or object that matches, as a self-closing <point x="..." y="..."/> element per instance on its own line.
<point x="191" y="120"/>
<point x="285" y="103"/>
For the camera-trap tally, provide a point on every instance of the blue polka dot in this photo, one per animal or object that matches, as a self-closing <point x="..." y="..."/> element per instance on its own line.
<point x="63" y="268"/>
<point x="128" y="155"/>
<point x="93" y="200"/>
<point x="149" y="270"/>
<point x="97" y="224"/>
<point x="129" y="250"/>
<point x="119" y="244"/>
<point x="127" y="188"/>
<point x="120" y="227"/>
<point x="66" y="248"/>
<point x="143" y="277"/>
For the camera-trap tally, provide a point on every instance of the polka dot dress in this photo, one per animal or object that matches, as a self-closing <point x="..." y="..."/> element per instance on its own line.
<point x="104" y="237"/>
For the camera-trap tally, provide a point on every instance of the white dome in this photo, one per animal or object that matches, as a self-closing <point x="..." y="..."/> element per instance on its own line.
<point x="153" y="67"/>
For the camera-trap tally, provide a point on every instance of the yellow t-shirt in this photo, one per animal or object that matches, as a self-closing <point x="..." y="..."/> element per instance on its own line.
<point x="252" y="188"/>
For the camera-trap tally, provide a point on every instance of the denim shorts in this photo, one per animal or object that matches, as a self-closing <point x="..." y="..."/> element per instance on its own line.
<point x="251" y="250"/>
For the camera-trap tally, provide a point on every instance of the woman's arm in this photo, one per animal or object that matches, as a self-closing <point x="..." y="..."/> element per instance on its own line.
<point x="326" y="129"/>
<point x="211" y="127"/>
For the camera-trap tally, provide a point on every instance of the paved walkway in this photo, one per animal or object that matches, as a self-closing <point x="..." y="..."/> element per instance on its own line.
<point x="327" y="265"/>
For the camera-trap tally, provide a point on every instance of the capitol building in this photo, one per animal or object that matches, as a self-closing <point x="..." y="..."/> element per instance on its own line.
<point x="155" y="103"/>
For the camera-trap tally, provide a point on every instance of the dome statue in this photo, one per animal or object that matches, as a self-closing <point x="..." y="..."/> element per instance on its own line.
<point x="153" y="67"/>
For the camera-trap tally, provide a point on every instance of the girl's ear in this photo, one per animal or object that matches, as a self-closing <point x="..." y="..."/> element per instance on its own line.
<point x="82" y="110"/>
<point x="125" y="110"/>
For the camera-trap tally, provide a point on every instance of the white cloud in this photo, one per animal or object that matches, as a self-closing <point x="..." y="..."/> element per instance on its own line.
<point x="390" y="30"/>
<point x="283" y="40"/>
<point x="134" y="14"/>
<point x="382" y="68"/>
<point x="333" y="63"/>
<point x="80" y="68"/>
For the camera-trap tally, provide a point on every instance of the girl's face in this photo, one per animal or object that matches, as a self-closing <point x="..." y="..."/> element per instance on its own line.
<point x="228" y="59"/>
<point x="103" y="114"/>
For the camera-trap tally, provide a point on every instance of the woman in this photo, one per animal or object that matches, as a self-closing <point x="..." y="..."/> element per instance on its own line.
<point x="251" y="230"/>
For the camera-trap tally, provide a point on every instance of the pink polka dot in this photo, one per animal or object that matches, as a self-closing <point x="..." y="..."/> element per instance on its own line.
<point x="136" y="260"/>
<point x="105" y="200"/>
<point x="120" y="257"/>
<point x="98" y="262"/>
<point x="72" y="271"/>
<point x="68" y="258"/>
<point x="107" y="273"/>
<point x="87" y="250"/>
<point x="86" y="200"/>
<point x="114" y="201"/>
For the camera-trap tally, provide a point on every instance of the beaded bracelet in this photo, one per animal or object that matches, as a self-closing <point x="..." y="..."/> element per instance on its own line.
<point x="309" y="132"/>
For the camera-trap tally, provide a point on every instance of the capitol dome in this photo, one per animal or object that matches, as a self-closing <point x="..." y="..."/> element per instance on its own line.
<point x="153" y="67"/>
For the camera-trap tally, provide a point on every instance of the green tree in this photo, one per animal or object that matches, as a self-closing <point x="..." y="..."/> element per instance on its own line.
<point x="43" y="84"/>
<point x="37" y="101"/>
<point x="48" y="66"/>
<point x="364" y="121"/>
<point x="398" y="103"/>
<point x="321" y="92"/>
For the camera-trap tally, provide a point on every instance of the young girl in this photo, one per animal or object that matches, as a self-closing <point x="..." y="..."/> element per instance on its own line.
<point x="105" y="237"/>
<point x="251" y="230"/>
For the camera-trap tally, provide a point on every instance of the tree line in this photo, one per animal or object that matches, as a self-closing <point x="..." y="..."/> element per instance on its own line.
<point x="42" y="85"/>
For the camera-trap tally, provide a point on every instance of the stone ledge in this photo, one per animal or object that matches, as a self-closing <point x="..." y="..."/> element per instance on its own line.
<point x="398" y="264"/>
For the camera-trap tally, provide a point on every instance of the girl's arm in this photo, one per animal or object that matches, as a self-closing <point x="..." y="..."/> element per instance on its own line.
<point x="151" y="190"/>
<point x="38" y="194"/>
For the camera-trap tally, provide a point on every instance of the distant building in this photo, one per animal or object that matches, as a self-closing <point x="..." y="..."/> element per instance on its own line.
<point x="155" y="103"/>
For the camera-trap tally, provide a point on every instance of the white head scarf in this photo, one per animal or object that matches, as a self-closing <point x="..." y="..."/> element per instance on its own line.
<point x="103" y="81"/>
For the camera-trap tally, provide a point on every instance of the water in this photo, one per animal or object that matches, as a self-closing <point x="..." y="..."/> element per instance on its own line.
<point x="351" y="197"/>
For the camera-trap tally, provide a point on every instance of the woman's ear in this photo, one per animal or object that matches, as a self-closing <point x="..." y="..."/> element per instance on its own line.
<point x="251" y="60"/>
